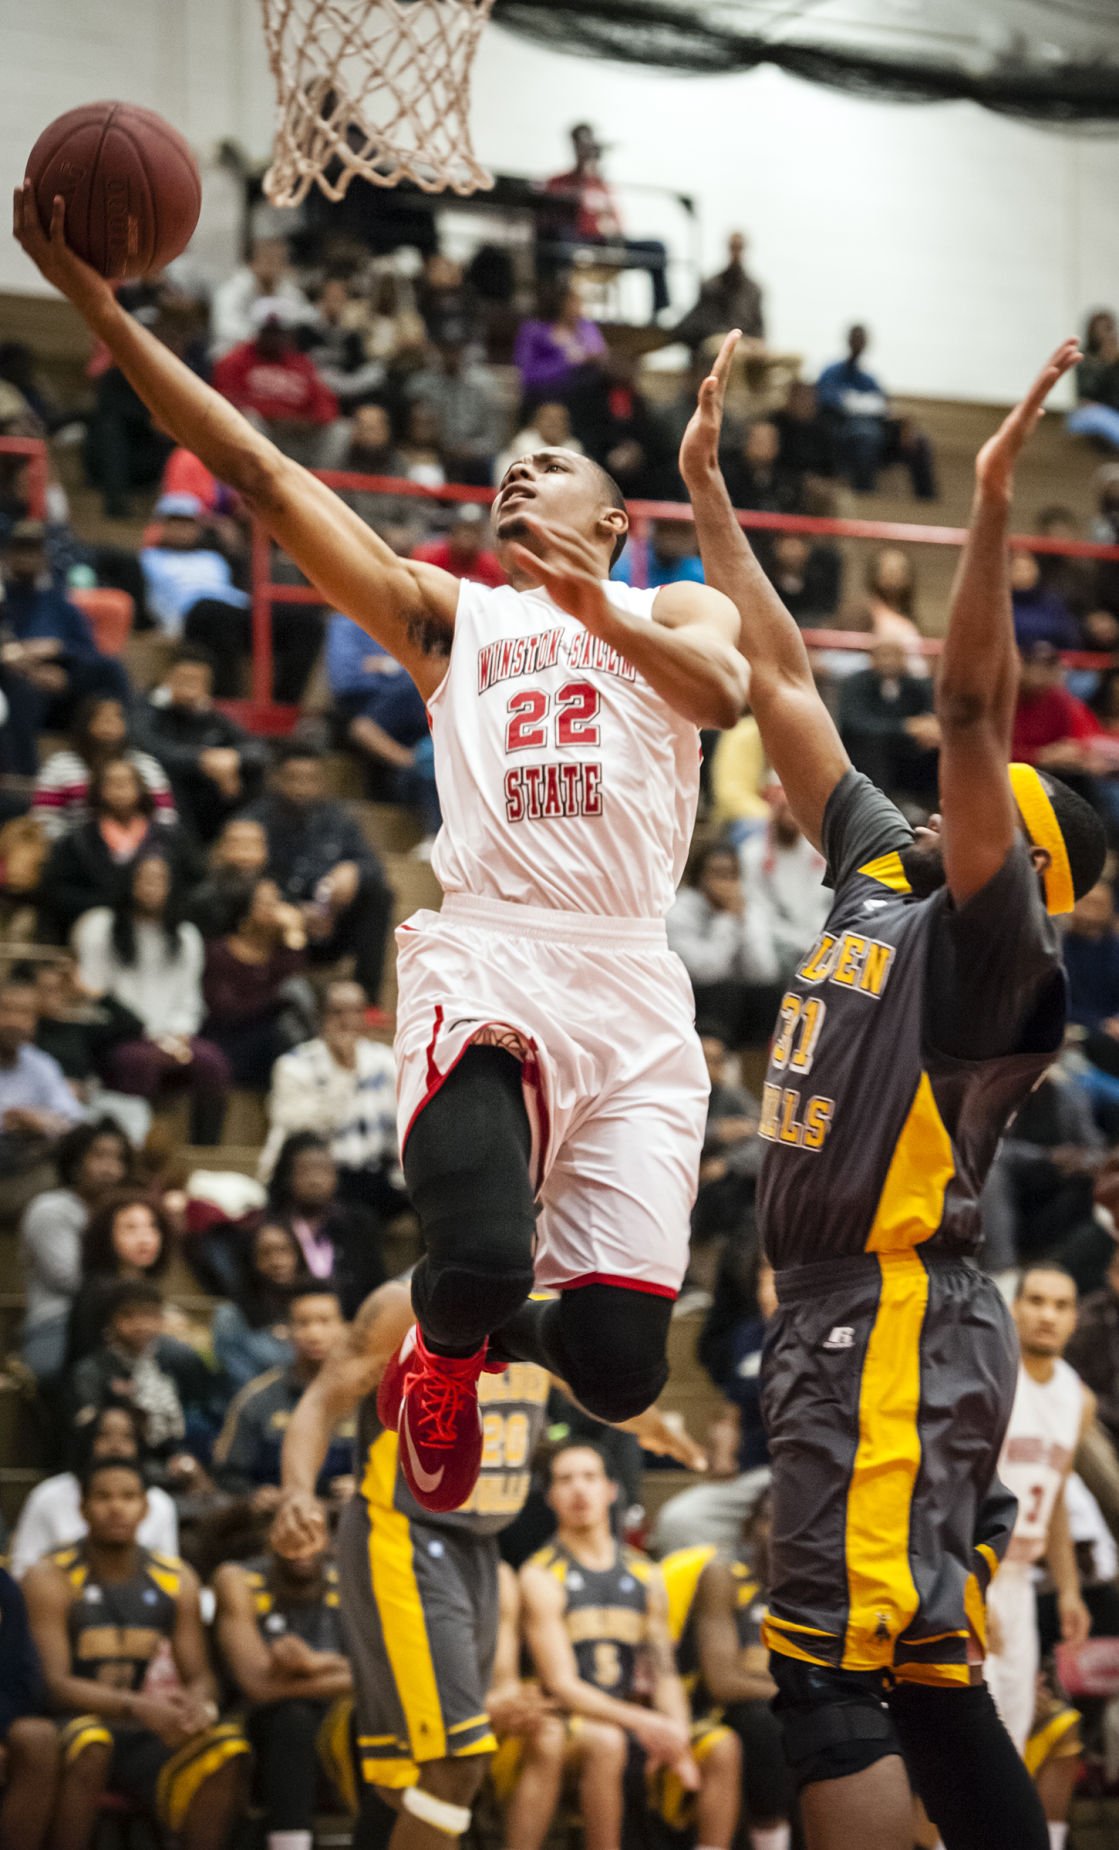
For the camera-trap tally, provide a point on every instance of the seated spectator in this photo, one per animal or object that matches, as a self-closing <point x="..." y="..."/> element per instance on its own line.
<point x="1053" y="729"/>
<point x="127" y="1237"/>
<point x="36" y="1105"/>
<point x="61" y="799"/>
<point x="671" y="557"/>
<point x="464" y="552"/>
<point x="278" y="1629"/>
<point x="30" y="1747"/>
<point x="323" y="864"/>
<point x="49" y="662"/>
<point x="215" y="766"/>
<point x="341" y="1087"/>
<point x="739" y="780"/>
<point x="337" y="339"/>
<point x="252" y="1334"/>
<point x="560" y="354"/>
<point x="1097" y="383"/>
<point x="631" y="439"/>
<point x="720" y="1650"/>
<point x="464" y="395"/>
<point x="888" y="726"/>
<point x="369" y="449"/>
<point x="784" y="875"/>
<point x="186" y="474"/>
<point x="93" y="1162"/>
<point x="1070" y="579"/>
<point x="265" y="277"/>
<point x="248" y="985"/>
<point x="123" y="1366"/>
<point x="1094" y="1348"/>
<point x="806" y="450"/>
<point x="276" y="386"/>
<point x="1105" y="529"/>
<point x="189" y="583"/>
<point x="806" y="577"/>
<point x="887" y="613"/>
<point x="445" y="302"/>
<point x="587" y="1603"/>
<point x="123" y="450"/>
<point x="867" y="438"/>
<point x="420" y="448"/>
<point x="237" y="860"/>
<point x="52" y="1515"/>
<point x="732" y="1151"/>
<point x="140" y="953"/>
<point x="338" y="1240"/>
<point x="730" y="299"/>
<point x="1040" y="614"/>
<point x="596" y="218"/>
<point x="721" y="941"/>
<point x="1091" y="955"/>
<point x="93" y="864"/>
<point x="549" y="429"/>
<point x="730" y="1349"/>
<point x="755" y="474"/>
<point x="247" y="1450"/>
<point x="382" y="715"/>
<point x="164" y="1755"/>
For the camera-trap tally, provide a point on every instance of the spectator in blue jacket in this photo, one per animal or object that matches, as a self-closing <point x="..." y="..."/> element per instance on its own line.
<point x="671" y="557"/>
<point x="49" y="661"/>
<point x="1040" y="613"/>
<point x="382" y="715"/>
<point x="867" y="437"/>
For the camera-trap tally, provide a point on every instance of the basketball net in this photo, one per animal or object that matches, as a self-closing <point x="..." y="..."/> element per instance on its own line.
<point x="372" y="89"/>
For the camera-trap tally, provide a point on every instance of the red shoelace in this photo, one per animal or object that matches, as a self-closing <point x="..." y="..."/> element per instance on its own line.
<point x="436" y="1415"/>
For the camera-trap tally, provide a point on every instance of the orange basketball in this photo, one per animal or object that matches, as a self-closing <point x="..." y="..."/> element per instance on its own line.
<point x="130" y="183"/>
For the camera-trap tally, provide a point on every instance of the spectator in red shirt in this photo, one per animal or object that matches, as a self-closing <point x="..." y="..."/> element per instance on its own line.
<point x="596" y="216"/>
<point x="1051" y="727"/>
<point x="277" y="386"/>
<point x="463" y="553"/>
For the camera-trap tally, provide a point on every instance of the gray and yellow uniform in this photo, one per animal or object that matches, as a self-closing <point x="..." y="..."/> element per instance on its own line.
<point x="115" y="1631"/>
<point x="683" y="1570"/>
<point x="606" y="1614"/>
<point x="910" y="1034"/>
<point x="248" y="1449"/>
<point x="419" y="1592"/>
<point x="318" y="1623"/>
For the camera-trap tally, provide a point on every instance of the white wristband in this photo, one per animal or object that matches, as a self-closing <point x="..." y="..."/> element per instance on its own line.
<point x="452" y="1820"/>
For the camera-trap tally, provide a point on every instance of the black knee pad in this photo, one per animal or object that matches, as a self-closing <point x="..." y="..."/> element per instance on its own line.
<point x="834" y="1722"/>
<point x="466" y="1166"/>
<point x="610" y="1345"/>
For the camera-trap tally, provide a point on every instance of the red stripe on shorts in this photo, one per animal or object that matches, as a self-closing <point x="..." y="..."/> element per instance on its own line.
<point x="624" y="1284"/>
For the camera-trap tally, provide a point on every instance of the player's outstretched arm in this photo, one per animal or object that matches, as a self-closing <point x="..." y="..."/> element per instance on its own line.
<point x="978" y="682"/>
<point x="346" y="1377"/>
<point x="800" y="739"/>
<point x="408" y="607"/>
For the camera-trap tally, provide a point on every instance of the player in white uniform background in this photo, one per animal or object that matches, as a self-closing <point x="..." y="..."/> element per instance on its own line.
<point x="545" y="1037"/>
<point x="1052" y="1411"/>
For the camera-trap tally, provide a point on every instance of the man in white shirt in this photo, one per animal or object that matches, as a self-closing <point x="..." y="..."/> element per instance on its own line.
<point x="267" y="273"/>
<point x="723" y="940"/>
<point x="52" y="1515"/>
<point x="341" y="1086"/>
<point x="782" y="876"/>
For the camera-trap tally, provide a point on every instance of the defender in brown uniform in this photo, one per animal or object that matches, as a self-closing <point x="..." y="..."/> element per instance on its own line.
<point x="913" y="1029"/>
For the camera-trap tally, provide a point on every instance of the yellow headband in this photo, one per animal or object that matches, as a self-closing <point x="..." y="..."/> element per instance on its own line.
<point x="1036" y="809"/>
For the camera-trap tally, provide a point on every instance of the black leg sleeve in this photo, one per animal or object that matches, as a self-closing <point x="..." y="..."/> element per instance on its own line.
<point x="964" y="1766"/>
<point x="283" y="1737"/>
<point x="606" y="1342"/>
<point x="466" y="1166"/>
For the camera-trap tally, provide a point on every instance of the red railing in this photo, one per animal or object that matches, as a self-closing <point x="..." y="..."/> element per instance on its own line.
<point x="38" y="470"/>
<point x="266" y="592"/>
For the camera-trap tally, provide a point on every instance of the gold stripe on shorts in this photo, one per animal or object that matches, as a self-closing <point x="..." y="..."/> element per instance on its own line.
<point x="400" y="1609"/>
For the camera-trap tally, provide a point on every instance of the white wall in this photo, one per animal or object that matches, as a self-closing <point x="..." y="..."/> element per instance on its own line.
<point x="969" y="242"/>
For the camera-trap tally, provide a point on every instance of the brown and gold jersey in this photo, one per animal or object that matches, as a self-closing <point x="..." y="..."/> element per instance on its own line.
<point x="117" y="1627"/>
<point x="906" y="1041"/>
<point x="606" y="1613"/>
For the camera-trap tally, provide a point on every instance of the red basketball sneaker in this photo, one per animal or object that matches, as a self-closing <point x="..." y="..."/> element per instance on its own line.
<point x="392" y="1382"/>
<point x="439" y="1423"/>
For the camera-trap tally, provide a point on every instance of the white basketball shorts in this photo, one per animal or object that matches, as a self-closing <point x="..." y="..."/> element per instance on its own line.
<point x="600" y="1012"/>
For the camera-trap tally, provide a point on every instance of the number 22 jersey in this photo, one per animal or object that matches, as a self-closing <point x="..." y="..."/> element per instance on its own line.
<point x="564" y="780"/>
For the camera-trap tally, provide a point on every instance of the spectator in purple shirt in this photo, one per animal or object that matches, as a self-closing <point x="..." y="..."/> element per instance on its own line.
<point x="560" y="355"/>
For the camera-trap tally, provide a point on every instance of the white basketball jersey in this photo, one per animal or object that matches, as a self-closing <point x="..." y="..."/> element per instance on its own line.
<point x="1040" y="1443"/>
<point x="564" y="780"/>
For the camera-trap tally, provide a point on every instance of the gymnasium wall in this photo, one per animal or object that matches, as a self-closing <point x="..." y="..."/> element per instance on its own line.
<point x="968" y="241"/>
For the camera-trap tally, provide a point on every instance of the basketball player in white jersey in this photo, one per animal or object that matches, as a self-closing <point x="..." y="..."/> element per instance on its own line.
<point x="545" y="1044"/>
<point x="1052" y="1411"/>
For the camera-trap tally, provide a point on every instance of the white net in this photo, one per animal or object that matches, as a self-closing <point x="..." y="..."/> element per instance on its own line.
<point x="372" y="89"/>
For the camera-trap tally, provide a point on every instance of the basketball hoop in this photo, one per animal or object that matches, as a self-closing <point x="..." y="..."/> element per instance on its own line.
<point x="372" y="89"/>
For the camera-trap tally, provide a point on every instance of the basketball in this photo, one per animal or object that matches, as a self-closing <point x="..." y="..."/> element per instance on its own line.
<point x="130" y="183"/>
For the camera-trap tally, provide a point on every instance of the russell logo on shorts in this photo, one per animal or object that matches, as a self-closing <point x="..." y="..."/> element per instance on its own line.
<point x="842" y="1337"/>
